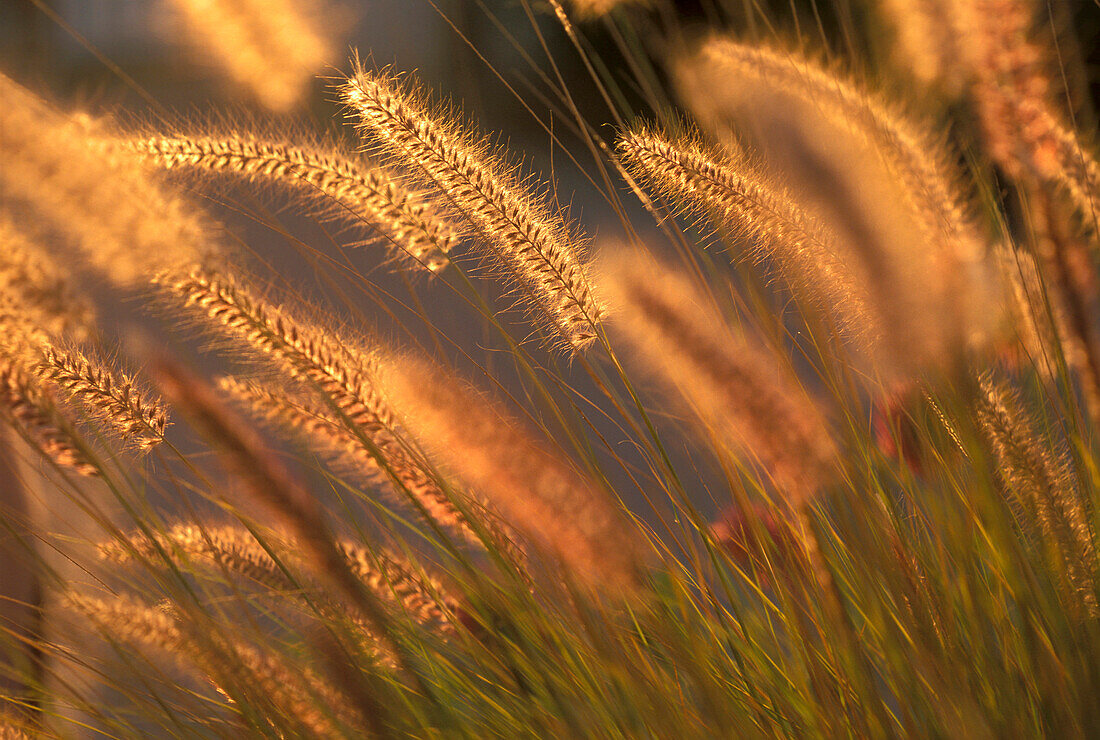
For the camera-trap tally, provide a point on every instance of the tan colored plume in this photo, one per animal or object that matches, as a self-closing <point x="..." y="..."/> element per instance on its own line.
<point x="1039" y="482"/>
<point x="740" y="198"/>
<point x="114" y="400"/>
<point x="736" y="389"/>
<point x="238" y="551"/>
<point x="534" y="489"/>
<point x="27" y="404"/>
<point x="880" y="184"/>
<point x="228" y="663"/>
<point x="417" y="235"/>
<point x="1011" y="85"/>
<point x="528" y="243"/>
<point x="925" y="43"/>
<point x="37" y="285"/>
<point x="361" y="422"/>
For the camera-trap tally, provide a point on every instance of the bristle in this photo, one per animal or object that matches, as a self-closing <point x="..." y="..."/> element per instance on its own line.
<point x="26" y="404"/>
<point x="272" y="48"/>
<point x="343" y="373"/>
<point x="289" y="410"/>
<point x="125" y="225"/>
<point x="528" y="243"/>
<point x="233" y="548"/>
<point x="1004" y="69"/>
<point x="226" y="662"/>
<point x="743" y="199"/>
<point x="270" y="483"/>
<point x="1038" y="478"/>
<point x="111" y="398"/>
<point x="925" y="271"/>
<point x="739" y="392"/>
<point x="21" y="333"/>
<point x="36" y="284"/>
<point x="307" y="352"/>
<point x="394" y="578"/>
<point x="532" y="488"/>
<point x="237" y="551"/>
<point x="309" y="699"/>
<point x="1039" y="316"/>
<point x="930" y="186"/>
<point x="418" y="235"/>
<point x="346" y="446"/>
<point x="129" y="620"/>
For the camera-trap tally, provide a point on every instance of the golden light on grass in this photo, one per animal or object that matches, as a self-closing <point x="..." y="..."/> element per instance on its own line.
<point x="736" y="390"/>
<point x="533" y="247"/>
<point x="415" y="233"/>
<point x="535" y="491"/>
<point x="125" y="224"/>
<point x="815" y="455"/>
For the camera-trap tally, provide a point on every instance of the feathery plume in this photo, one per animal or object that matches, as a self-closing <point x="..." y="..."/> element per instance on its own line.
<point x="236" y="549"/>
<point x="233" y="548"/>
<point x="933" y="303"/>
<point x="417" y="234"/>
<point x="269" y="483"/>
<point x="930" y="186"/>
<point x="1038" y="479"/>
<point x="29" y="407"/>
<point x="344" y="374"/>
<point x="34" y="283"/>
<point x="113" y="399"/>
<point x="126" y="226"/>
<point x="128" y="620"/>
<point x="1022" y="127"/>
<point x="346" y="447"/>
<point x="735" y="388"/>
<point x="272" y="48"/>
<point x="286" y="409"/>
<point x="229" y="664"/>
<point x="1038" y="314"/>
<point x="742" y="199"/>
<point x="532" y="488"/>
<point x="394" y="579"/>
<point x="527" y="242"/>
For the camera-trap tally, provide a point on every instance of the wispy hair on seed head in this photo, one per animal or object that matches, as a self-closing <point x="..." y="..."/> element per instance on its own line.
<point x="527" y="243"/>
<point x="237" y="551"/>
<point x="738" y="197"/>
<point x="416" y="234"/>
<point x="115" y="400"/>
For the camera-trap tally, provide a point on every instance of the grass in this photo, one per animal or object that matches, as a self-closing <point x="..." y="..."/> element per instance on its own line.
<point x="805" y="448"/>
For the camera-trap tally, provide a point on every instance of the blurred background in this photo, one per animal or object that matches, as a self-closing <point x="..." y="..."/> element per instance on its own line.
<point x="98" y="52"/>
